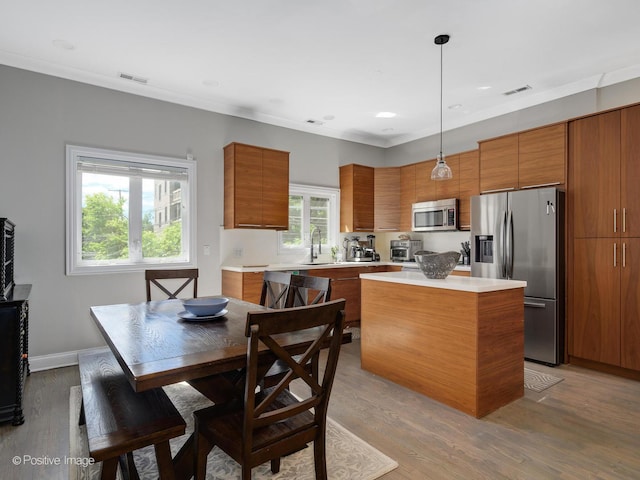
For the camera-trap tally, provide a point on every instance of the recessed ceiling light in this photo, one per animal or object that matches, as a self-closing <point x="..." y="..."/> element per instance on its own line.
<point x="484" y="87"/>
<point x="385" y="115"/>
<point x="329" y="117"/>
<point x="455" y="106"/>
<point x="63" y="44"/>
<point x="210" y="83"/>
<point x="387" y="130"/>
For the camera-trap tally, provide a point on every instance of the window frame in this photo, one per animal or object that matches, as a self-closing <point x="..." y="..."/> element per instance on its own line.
<point x="74" y="263"/>
<point x="333" y="221"/>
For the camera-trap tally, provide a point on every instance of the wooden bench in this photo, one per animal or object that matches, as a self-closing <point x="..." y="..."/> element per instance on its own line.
<point x="119" y="420"/>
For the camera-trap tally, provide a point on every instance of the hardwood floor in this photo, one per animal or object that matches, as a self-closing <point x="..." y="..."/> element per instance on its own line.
<point x="585" y="427"/>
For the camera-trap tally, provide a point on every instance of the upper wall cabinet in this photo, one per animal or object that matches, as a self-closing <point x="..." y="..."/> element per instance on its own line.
<point x="386" y="211"/>
<point x="542" y="156"/>
<point x="469" y="186"/>
<point x="499" y="164"/>
<point x="356" y="198"/>
<point x="534" y="158"/>
<point x="256" y="187"/>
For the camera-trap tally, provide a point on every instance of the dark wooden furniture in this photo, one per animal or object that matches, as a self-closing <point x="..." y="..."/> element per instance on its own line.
<point x="275" y="289"/>
<point x="153" y="277"/>
<point x="7" y="245"/>
<point x="120" y="420"/>
<point x="14" y="352"/>
<point x="307" y="290"/>
<point x="154" y="347"/>
<point x="274" y="423"/>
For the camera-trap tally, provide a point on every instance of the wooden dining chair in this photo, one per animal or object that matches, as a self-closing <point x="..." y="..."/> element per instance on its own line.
<point x="165" y="281"/>
<point x="307" y="290"/>
<point x="273" y="423"/>
<point x="275" y="289"/>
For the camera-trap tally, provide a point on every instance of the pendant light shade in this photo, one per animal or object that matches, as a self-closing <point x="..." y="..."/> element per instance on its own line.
<point x="441" y="171"/>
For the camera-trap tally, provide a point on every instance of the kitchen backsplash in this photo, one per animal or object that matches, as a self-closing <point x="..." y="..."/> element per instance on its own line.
<point x="260" y="247"/>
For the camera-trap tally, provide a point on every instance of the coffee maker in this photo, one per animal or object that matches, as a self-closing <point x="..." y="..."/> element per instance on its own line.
<point x="370" y="249"/>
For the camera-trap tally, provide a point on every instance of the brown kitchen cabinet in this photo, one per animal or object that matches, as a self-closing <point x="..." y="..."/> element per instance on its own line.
<point x="345" y="283"/>
<point x="499" y="163"/>
<point x="246" y="286"/>
<point x="528" y="159"/>
<point x="542" y="156"/>
<point x="256" y="187"/>
<point x="425" y="187"/>
<point x="604" y="318"/>
<point x="595" y="302"/>
<point x="407" y="195"/>
<point x="449" y="188"/>
<point x="356" y="198"/>
<point x="386" y="211"/>
<point x="469" y="186"/>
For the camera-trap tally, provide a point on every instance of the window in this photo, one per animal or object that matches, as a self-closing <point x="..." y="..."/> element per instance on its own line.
<point x="310" y="208"/>
<point x="115" y="211"/>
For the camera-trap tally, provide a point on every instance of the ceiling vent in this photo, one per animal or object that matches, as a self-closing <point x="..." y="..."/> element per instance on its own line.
<point x="517" y="90"/>
<point x="133" y="78"/>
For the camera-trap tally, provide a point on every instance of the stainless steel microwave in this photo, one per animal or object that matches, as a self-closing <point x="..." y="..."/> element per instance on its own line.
<point x="439" y="215"/>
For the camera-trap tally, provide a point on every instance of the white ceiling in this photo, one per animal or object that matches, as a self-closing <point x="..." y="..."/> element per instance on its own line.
<point x="339" y="62"/>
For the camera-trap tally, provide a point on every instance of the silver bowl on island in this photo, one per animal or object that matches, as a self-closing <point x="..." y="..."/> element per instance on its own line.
<point x="437" y="265"/>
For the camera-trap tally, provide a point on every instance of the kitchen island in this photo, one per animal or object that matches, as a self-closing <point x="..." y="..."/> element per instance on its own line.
<point x="459" y="340"/>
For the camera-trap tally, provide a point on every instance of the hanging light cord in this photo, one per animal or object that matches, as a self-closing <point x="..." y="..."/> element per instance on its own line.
<point x="440" y="159"/>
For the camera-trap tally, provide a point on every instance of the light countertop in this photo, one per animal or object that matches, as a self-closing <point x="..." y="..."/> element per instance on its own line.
<point x="302" y="266"/>
<point x="452" y="282"/>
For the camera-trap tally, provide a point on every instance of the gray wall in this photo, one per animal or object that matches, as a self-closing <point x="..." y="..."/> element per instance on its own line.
<point x="39" y="114"/>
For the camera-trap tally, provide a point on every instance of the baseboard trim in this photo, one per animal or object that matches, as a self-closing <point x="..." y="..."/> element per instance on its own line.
<point x="58" y="360"/>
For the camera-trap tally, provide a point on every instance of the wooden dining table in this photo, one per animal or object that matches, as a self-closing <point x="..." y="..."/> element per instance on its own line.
<point x="156" y="347"/>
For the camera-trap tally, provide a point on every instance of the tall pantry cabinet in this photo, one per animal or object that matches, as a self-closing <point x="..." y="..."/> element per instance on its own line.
<point x="604" y="287"/>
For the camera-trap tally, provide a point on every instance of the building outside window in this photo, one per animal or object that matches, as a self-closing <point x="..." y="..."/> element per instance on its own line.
<point x="115" y="218"/>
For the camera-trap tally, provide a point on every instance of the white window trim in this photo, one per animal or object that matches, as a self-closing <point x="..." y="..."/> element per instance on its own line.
<point x="74" y="211"/>
<point x="334" y="218"/>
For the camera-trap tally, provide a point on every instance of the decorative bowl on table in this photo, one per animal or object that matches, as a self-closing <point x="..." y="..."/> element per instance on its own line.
<point x="437" y="265"/>
<point x="205" y="307"/>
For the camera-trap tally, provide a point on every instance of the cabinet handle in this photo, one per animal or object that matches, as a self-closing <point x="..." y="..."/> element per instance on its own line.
<point x="615" y="220"/>
<point x="624" y="254"/>
<point x="624" y="220"/>
<point x="540" y="185"/>
<point x="615" y="254"/>
<point x="498" y="190"/>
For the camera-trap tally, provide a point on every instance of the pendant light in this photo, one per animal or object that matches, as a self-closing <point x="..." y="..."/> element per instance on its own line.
<point x="441" y="171"/>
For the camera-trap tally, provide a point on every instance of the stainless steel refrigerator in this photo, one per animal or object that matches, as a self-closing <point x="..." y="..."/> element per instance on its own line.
<point x="519" y="235"/>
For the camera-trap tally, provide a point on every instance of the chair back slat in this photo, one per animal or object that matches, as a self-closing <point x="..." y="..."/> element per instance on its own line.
<point x="303" y="287"/>
<point x="154" y="277"/>
<point x="275" y="289"/>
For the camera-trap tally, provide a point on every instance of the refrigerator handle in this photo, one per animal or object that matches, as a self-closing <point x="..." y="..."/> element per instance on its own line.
<point x="509" y="245"/>
<point x="503" y="249"/>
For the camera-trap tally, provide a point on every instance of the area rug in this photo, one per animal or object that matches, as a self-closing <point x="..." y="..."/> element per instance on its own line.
<point x="348" y="456"/>
<point x="538" y="381"/>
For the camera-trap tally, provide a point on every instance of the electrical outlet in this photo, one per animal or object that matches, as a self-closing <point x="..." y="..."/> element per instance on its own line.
<point x="207" y="250"/>
<point x="238" y="251"/>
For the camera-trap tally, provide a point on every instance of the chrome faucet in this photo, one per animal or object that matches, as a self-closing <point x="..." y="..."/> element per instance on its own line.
<point x="313" y="255"/>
